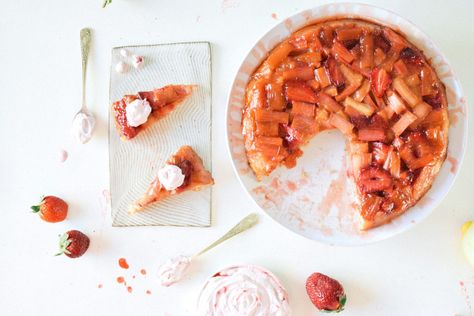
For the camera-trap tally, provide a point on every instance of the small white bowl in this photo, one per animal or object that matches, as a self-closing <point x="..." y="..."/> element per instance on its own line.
<point x="316" y="198"/>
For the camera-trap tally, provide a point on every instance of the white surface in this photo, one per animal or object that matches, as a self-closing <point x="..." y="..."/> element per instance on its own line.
<point x="134" y="164"/>
<point x="416" y="273"/>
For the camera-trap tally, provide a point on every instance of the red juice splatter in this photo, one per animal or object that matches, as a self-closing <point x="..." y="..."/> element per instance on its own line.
<point x="123" y="263"/>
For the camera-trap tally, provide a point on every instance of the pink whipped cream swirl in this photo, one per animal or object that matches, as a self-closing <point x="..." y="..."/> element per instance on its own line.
<point x="243" y="291"/>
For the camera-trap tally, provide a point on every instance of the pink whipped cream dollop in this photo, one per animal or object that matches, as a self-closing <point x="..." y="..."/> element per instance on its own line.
<point x="173" y="270"/>
<point x="243" y="291"/>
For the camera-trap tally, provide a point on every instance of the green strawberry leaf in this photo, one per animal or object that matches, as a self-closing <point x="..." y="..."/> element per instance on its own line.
<point x="64" y="242"/>
<point x="342" y="302"/>
<point x="106" y="2"/>
<point x="37" y="208"/>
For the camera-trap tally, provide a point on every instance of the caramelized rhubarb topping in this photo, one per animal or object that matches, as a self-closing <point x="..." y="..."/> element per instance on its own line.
<point x="365" y="80"/>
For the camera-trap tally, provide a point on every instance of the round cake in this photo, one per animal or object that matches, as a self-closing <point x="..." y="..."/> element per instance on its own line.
<point x="243" y="290"/>
<point x="369" y="82"/>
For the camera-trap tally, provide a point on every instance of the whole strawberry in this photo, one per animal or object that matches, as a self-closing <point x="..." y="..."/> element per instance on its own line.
<point x="326" y="293"/>
<point x="73" y="244"/>
<point x="51" y="209"/>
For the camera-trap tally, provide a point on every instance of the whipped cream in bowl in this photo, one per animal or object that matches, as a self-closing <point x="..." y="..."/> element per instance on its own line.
<point x="243" y="290"/>
<point x="137" y="112"/>
<point x="171" y="177"/>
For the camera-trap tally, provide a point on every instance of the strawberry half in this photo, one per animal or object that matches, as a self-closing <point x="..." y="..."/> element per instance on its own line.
<point x="73" y="244"/>
<point x="409" y="55"/>
<point x="374" y="179"/>
<point x="380" y="81"/>
<point x="291" y="136"/>
<point x="51" y="209"/>
<point x="325" y="293"/>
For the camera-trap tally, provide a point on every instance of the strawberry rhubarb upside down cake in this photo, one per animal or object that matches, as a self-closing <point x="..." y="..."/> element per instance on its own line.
<point x="367" y="81"/>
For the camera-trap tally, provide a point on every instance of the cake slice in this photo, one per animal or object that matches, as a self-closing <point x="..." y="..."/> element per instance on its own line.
<point x="183" y="171"/>
<point x="136" y="112"/>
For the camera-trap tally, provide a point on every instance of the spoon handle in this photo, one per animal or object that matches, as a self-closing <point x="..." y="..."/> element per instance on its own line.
<point x="85" y="46"/>
<point x="246" y="223"/>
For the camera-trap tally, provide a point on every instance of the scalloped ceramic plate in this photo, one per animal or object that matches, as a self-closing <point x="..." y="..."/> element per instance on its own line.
<point x="316" y="198"/>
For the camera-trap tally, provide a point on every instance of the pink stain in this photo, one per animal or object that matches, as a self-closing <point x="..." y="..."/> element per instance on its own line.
<point x="62" y="155"/>
<point x="291" y="186"/>
<point x="229" y="4"/>
<point x="454" y="164"/>
<point x="274" y="16"/>
<point x="466" y="295"/>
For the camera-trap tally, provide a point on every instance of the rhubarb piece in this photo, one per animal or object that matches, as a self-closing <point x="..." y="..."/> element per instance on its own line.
<point x="333" y="72"/>
<point x="303" y="124"/>
<point x="271" y="116"/>
<point x="298" y="91"/>
<point x="359" y="147"/>
<point x="327" y="102"/>
<point x="277" y="55"/>
<point x="421" y="110"/>
<point x="426" y="81"/>
<point x="348" y="90"/>
<point x="353" y="77"/>
<point x="400" y="68"/>
<point x="360" y="161"/>
<point x="302" y="108"/>
<point x="413" y="80"/>
<point x="371" y="134"/>
<point x="331" y="91"/>
<point x="346" y="34"/>
<point x="273" y="141"/>
<point x="380" y="81"/>
<point x="312" y="59"/>
<point x="362" y="108"/>
<point x="342" y="53"/>
<point x="395" y="102"/>
<point x="379" y="56"/>
<point x="275" y="98"/>
<point x="313" y="84"/>
<point x="397" y="42"/>
<point x="405" y="120"/>
<point x="326" y="35"/>
<point x="367" y="51"/>
<point x="405" y="92"/>
<point x="393" y="163"/>
<point x="341" y="123"/>
<point x="298" y="73"/>
<point x="322" y="77"/>
<point x="266" y="129"/>
<point x="374" y="179"/>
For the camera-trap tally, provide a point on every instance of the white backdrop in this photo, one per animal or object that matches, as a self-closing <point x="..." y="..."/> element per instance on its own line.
<point x="417" y="273"/>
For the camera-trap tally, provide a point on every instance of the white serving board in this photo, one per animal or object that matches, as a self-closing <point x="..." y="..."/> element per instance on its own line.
<point x="135" y="163"/>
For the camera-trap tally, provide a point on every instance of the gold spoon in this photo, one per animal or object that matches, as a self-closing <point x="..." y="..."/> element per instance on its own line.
<point x="174" y="269"/>
<point x="84" y="122"/>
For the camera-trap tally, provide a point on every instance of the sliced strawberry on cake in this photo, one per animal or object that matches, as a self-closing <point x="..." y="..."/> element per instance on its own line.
<point x="135" y="113"/>
<point x="183" y="171"/>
